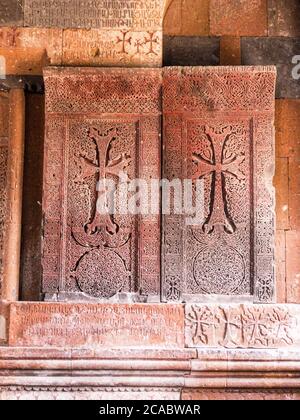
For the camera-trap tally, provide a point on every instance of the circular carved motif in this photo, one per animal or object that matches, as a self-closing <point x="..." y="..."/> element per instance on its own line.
<point x="101" y="273"/>
<point x="219" y="269"/>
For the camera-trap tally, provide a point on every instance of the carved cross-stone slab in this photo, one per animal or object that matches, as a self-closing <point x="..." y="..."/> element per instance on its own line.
<point x="219" y="130"/>
<point x="101" y="126"/>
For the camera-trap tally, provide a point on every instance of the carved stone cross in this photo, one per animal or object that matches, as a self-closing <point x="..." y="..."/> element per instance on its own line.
<point x="219" y="165"/>
<point x="104" y="168"/>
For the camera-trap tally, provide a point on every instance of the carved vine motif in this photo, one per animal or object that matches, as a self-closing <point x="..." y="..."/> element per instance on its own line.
<point x="240" y="327"/>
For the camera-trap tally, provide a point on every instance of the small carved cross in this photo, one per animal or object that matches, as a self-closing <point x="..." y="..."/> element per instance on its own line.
<point x="124" y="41"/>
<point x="104" y="168"/>
<point x="151" y="41"/>
<point x="219" y="166"/>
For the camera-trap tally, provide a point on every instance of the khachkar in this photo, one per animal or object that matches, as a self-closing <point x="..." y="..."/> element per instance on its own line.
<point x="219" y="129"/>
<point x="101" y="125"/>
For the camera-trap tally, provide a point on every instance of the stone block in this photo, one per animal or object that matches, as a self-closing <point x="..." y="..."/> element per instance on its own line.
<point x="11" y="13"/>
<point x="209" y="252"/>
<point x="102" y="15"/>
<point x="293" y="266"/>
<point x="187" y="18"/>
<point x="279" y="52"/>
<point x="238" y="17"/>
<point x="119" y="48"/>
<point x="90" y="326"/>
<point x="281" y="184"/>
<point x="230" y="51"/>
<point x="284" y="18"/>
<point x="191" y="51"/>
<point x="4" y="322"/>
<point x="280" y="259"/>
<point x="242" y="326"/>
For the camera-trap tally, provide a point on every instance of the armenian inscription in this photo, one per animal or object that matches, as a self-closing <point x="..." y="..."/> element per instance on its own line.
<point x="89" y="325"/>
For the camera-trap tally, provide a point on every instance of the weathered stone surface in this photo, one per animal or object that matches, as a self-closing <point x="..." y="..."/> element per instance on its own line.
<point x="89" y="325"/>
<point x="229" y="249"/>
<point x="238" y="17"/>
<point x="284" y="17"/>
<point x="191" y="51"/>
<point x="279" y="52"/>
<point x="293" y="266"/>
<point x="4" y="130"/>
<point x="112" y="48"/>
<point x="29" y="50"/>
<point x="89" y="255"/>
<point x="230" y="51"/>
<point x="242" y="326"/>
<point x="280" y="259"/>
<point x="99" y="14"/>
<point x="31" y="268"/>
<point x="281" y="182"/>
<point x="187" y="18"/>
<point x="94" y="394"/>
<point x="11" y="12"/>
<point x="4" y="318"/>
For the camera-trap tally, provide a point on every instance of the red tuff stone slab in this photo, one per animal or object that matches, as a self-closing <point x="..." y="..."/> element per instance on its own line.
<point x="242" y="326"/>
<point x="99" y="123"/>
<point x="219" y="133"/>
<point x="90" y="325"/>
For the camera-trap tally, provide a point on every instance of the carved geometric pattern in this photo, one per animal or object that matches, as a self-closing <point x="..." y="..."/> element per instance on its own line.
<point x="218" y="130"/>
<point x="243" y="326"/>
<point x="98" y="128"/>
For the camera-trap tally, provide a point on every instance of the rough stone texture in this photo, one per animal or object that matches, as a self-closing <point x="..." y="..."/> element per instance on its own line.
<point x="236" y="395"/>
<point x="186" y="18"/>
<point x="242" y="326"/>
<point x="293" y="266"/>
<point x="284" y="17"/>
<point x="122" y="34"/>
<point x="230" y="51"/>
<point x="28" y="51"/>
<point x="119" y="48"/>
<point x="280" y="259"/>
<point x="281" y="181"/>
<point x="238" y="17"/>
<point x="89" y="325"/>
<point x="4" y="318"/>
<point x="82" y="14"/>
<point x="226" y="254"/>
<point x="31" y="269"/>
<point x="4" y="135"/>
<point x="279" y="52"/>
<point x="11" y="12"/>
<point x="104" y="122"/>
<point x="192" y="51"/>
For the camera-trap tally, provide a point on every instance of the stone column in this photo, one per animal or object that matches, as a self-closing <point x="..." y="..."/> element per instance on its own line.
<point x="12" y="235"/>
